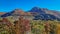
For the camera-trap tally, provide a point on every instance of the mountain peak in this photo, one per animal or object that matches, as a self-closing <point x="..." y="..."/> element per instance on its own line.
<point x="17" y="11"/>
<point x="39" y="8"/>
<point x="36" y="8"/>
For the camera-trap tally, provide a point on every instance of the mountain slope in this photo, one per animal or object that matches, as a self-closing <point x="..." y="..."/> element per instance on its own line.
<point x="47" y="14"/>
<point x="7" y="14"/>
<point x="38" y="13"/>
<point x="16" y="12"/>
<point x="46" y="17"/>
<point x="1" y="13"/>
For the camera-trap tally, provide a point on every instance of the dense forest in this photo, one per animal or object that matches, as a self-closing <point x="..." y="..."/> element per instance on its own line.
<point x="26" y="26"/>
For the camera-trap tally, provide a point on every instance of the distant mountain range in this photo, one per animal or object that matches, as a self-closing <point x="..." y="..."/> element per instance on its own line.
<point x="1" y="13"/>
<point x="38" y="13"/>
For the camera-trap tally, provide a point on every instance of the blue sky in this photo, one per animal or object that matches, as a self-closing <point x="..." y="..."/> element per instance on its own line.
<point x="8" y="5"/>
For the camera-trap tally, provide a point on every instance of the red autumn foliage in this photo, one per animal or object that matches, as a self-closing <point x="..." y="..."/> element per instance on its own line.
<point x="6" y="21"/>
<point x="25" y="23"/>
